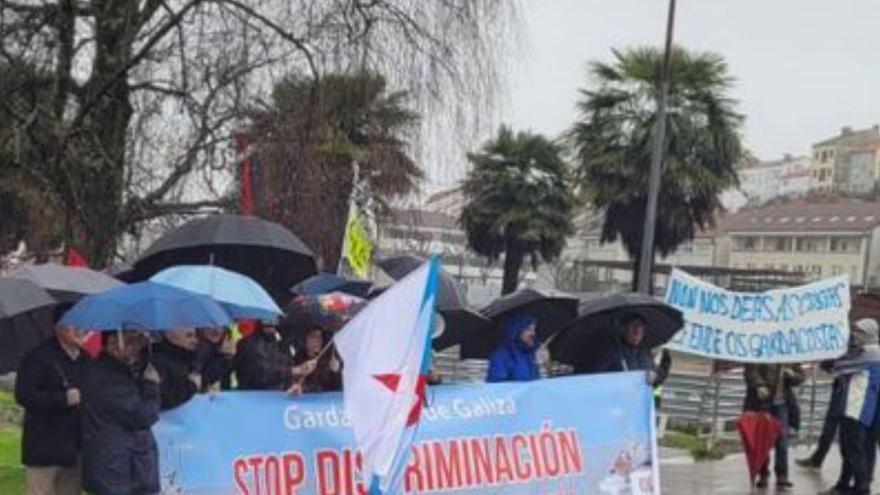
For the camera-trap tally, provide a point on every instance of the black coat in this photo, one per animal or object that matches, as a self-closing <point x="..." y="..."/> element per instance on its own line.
<point x="175" y="365"/>
<point x="768" y="375"/>
<point x="119" y="452"/>
<point x="261" y="363"/>
<point x="215" y="366"/>
<point x="51" y="428"/>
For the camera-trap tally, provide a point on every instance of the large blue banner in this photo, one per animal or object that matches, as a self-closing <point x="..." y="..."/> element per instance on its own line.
<point x="563" y="436"/>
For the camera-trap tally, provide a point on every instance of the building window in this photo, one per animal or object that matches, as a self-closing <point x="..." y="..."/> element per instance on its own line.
<point x="853" y="273"/>
<point x="810" y="244"/>
<point x="782" y="244"/>
<point x="836" y="270"/>
<point x="844" y="245"/>
<point x="746" y="244"/>
<point x="817" y="269"/>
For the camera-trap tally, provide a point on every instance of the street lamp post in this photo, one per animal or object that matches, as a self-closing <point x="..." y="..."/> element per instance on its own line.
<point x="646" y="261"/>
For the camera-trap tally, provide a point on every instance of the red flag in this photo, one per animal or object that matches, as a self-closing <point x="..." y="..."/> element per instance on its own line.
<point x="92" y="344"/>
<point x="247" y="197"/>
<point x="74" y="258"/>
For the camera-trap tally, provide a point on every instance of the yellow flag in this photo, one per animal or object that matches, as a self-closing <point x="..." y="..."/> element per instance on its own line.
<point x="358" y="248"/>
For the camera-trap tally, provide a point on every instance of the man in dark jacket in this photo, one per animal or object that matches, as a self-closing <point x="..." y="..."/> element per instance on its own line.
<point x="770" y="388"/>
<point x="327" y="376"/>
<point x="175" y="360"/>
<point x="514" y="360"/>
<point x="262" y="364"/>
<point x="119" y="407"/>
<point x="215" y="357"/>
<point x="830" y="424"/>
<point x="47" y="387"/>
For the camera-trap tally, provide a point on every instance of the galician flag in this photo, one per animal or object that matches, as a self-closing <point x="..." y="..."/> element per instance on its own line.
<point x="386" y="350"/>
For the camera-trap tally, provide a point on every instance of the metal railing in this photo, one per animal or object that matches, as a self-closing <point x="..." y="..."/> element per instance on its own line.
<point x="710" y="404"/>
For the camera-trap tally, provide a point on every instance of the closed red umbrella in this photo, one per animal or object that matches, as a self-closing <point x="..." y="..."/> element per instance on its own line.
<point x="758" y="431"/>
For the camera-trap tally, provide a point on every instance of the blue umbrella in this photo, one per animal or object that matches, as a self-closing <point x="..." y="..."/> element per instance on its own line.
<point x="325" y="283"/>
<point x="239" y="295"/>
<point x="146" y="306"/>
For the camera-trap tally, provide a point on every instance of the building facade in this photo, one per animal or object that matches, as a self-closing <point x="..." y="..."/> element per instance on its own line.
<point x="818" y="239"/>
<point x="763" y="181"/>
<point x="847" y="163"/>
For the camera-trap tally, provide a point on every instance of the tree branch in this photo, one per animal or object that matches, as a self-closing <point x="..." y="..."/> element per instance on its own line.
<point x="299" y="43"/>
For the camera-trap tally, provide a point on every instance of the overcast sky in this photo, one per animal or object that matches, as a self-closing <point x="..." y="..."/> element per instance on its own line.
<point x="804" y="68"/>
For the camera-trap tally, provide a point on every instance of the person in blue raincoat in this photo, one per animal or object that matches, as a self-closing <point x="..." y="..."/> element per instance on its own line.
<point x="859" y="372"/>
<point x="514" y="360"/>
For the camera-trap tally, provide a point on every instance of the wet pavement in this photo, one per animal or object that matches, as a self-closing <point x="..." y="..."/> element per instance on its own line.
<point x="680" y="475"/>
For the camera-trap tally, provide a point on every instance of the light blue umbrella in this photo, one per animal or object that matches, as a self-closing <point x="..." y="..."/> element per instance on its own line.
<point x="146" y="306"/>
<point x="239" y="295"/>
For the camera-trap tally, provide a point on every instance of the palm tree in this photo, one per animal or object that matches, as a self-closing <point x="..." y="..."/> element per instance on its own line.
<point x="316" y="140"/>
<point x="612" y="143"/>
<point x="519" y="202"/>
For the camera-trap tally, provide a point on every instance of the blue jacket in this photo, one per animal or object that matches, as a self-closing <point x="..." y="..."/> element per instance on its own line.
<point x="513" y="361"/>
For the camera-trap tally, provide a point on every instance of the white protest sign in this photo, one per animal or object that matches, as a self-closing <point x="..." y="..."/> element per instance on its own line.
<point x="798" y="324"/>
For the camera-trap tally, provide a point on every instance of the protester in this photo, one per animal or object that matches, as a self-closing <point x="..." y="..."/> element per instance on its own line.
<point x="118" y="409"/>
<point x="47" y="387"/>
<point x="327" y="376"/>
<point x="627" y="354"/>
<point x="262" y="364"/>
<point x="859" y="372"/>
<point x="770" y="388"/>
<point x="215" y="357"/>
<point x="175" y="360"/>
<point x="830" y="423"/>
<point x="514" y="360"/>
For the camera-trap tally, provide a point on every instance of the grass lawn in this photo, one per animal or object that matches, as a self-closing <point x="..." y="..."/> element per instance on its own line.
<point x="11" y="472"/>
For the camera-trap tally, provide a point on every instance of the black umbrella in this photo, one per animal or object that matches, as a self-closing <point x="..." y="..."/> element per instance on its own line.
<point x="600" y="324"/>
<point x="551" y="313"/>
<point x="265" y="251"/>
<point x="459" y="325"/>
<point x="324" y="283"/>
<point x="21" y="296"/>
<point x="66" y="283"/>
<point x="450" y="293"/>
<point x="26" y="318"/>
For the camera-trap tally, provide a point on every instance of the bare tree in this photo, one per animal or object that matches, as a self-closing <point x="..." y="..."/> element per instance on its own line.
<point x="146" y="94"/>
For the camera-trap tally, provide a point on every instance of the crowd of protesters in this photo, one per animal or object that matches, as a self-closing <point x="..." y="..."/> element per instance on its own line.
<point x="87" y="422"/>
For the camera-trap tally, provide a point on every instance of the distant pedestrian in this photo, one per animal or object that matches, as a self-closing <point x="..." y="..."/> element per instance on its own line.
<point x="119" y="409"/>
<point x="48" y="388"/>
<point x="514" y="360"/>
<point x="770" y="388"/>
<point x="859" y="372"/>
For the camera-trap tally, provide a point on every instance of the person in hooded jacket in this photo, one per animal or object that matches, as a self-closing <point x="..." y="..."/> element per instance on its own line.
<point x="514" y="360"/>
<point x="859" y="372"/>
<point x="175" y="359"/>
<point x="119" y="408"/>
